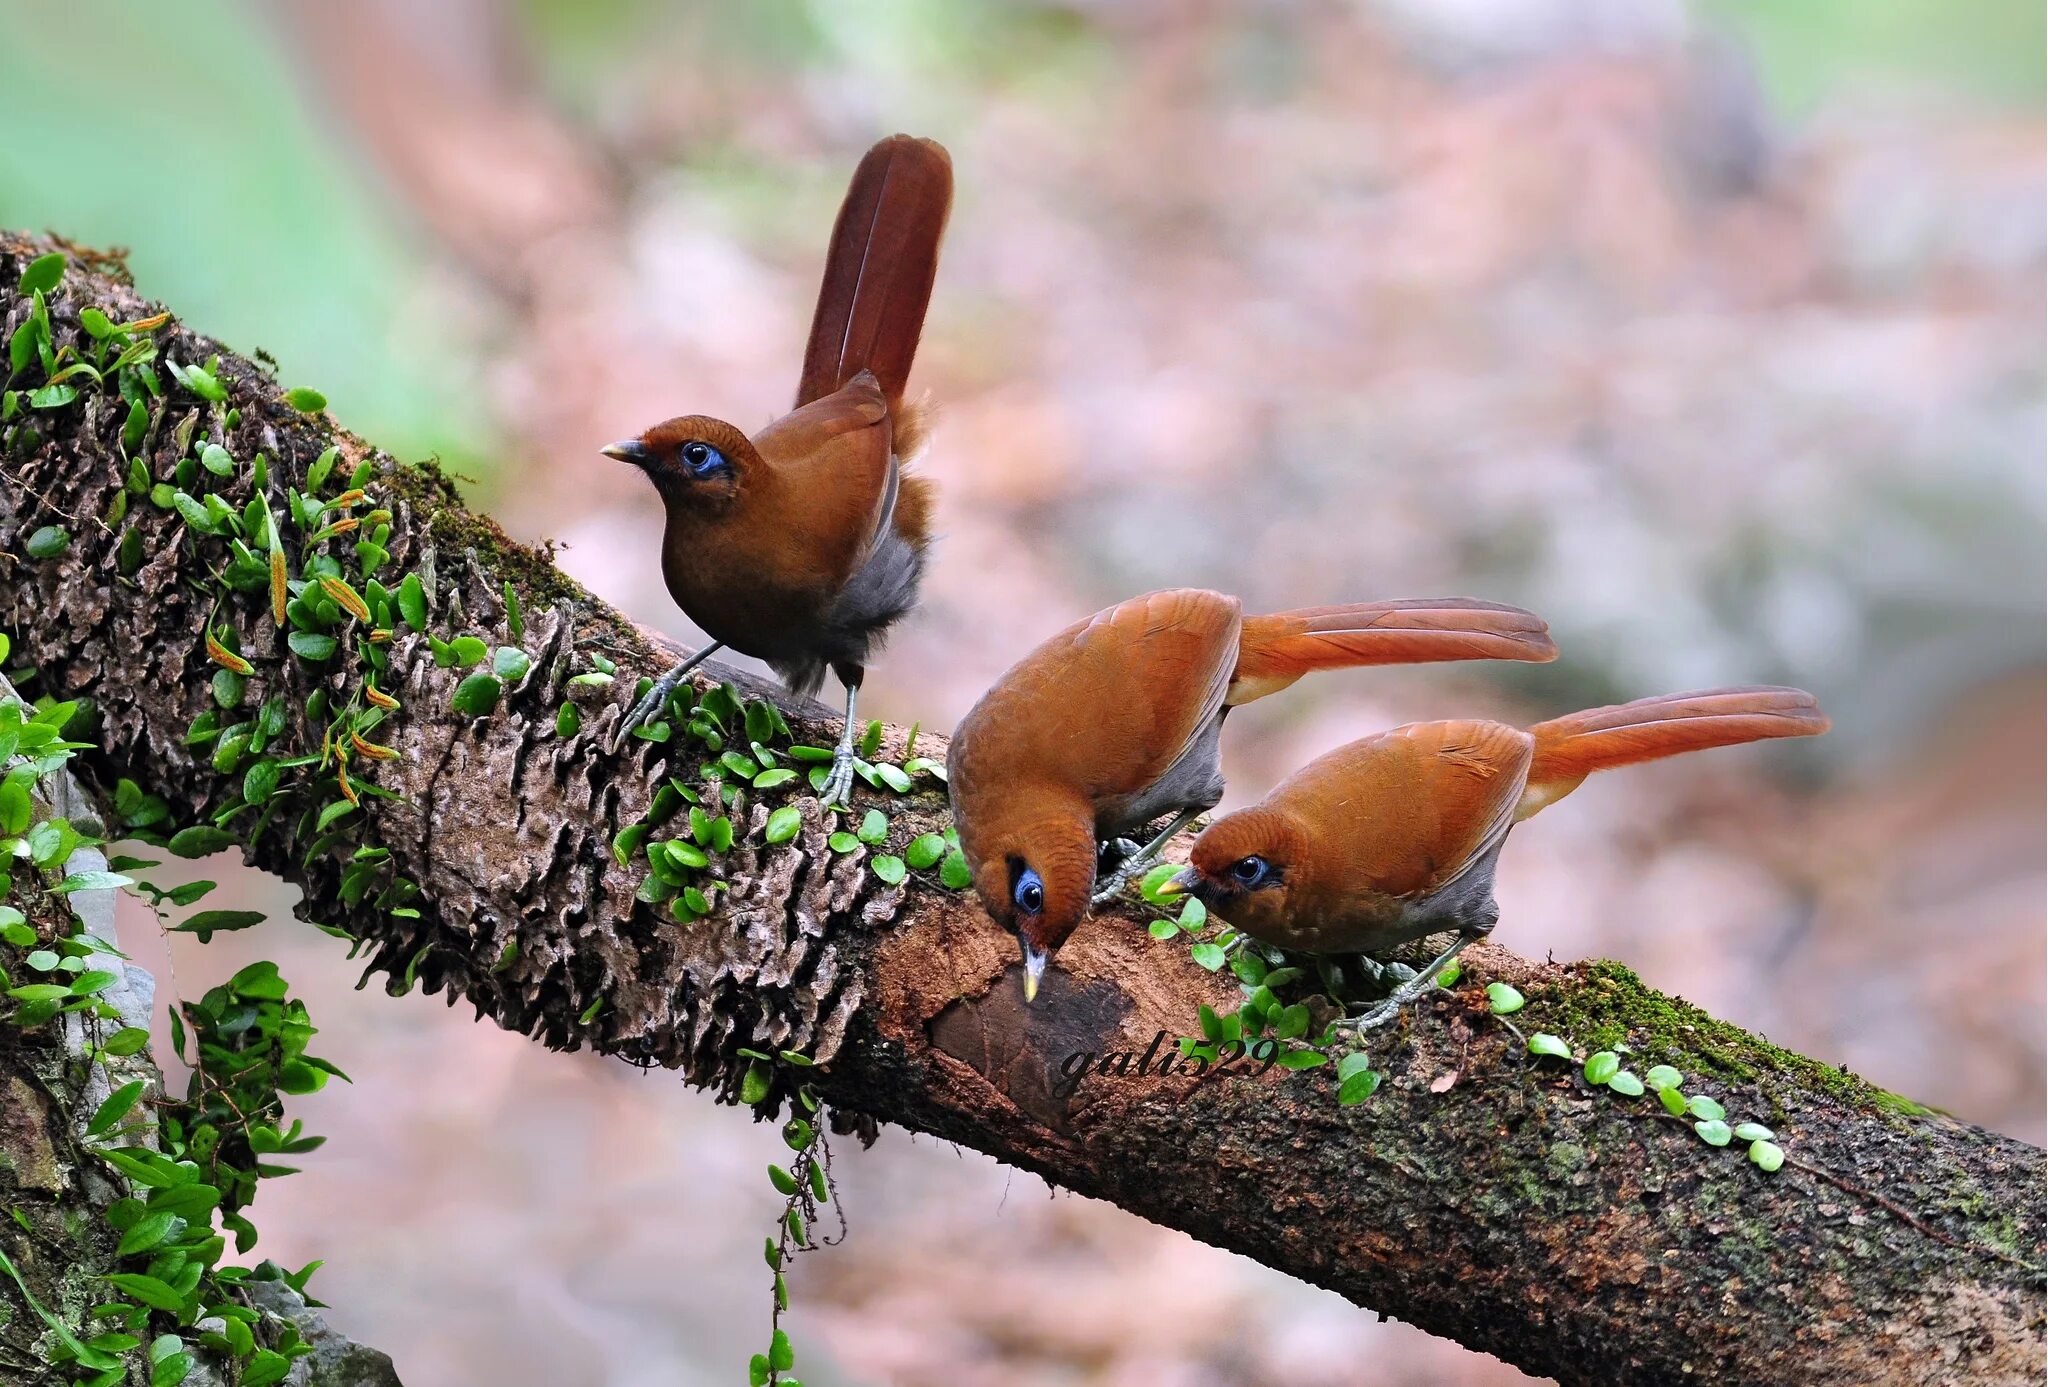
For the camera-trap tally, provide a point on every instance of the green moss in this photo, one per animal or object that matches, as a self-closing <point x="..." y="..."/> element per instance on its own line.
<point x="1564" y="1159"/>
<point x="454" y="527"/>
<point x="1614" y="1006"/>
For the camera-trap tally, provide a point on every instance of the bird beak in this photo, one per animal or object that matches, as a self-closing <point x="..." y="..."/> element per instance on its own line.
<point x="1034" y="969"/>
<point x="627" y="450"/>
<point x="1181" y="882"/>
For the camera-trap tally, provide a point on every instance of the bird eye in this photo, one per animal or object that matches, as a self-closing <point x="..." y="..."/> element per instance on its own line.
<point x="701" y="458"/>
<point x="1250" y="870"/>
<point x="1029" y="893"/>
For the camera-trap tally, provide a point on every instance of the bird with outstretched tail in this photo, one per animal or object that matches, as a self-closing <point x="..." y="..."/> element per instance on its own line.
<point x="802" y="544"/>
<point x="1393" y="838"/>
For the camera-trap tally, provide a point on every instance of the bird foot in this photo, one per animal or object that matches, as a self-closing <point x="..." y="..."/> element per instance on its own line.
<point x="1371" y="1019"/>
<point x="1113" y="852"/>
<point x="652" y="702"/>
<point x="1113" y="885"/>
<point x="839" y="784"/>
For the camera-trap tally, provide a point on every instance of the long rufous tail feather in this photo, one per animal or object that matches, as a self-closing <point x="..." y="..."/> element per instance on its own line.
<point x="1569" y="749"/>
<point x="1276" y="650"/>
<point x="879" y="270"/>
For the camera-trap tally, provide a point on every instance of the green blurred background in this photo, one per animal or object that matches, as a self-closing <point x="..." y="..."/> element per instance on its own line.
<point x="1712" y="331"/>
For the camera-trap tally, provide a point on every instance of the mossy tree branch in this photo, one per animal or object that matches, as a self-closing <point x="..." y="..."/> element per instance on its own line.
<point x="1492" y="1198"/>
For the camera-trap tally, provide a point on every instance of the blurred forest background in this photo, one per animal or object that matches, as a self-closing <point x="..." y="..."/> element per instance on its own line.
<point x="1712" y="331"/>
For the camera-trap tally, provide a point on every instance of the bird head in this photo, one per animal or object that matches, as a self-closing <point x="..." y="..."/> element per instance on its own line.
<point x="694" y="459"/>
<point x="1034" y="879"/>
<point x="1243" y="867"/>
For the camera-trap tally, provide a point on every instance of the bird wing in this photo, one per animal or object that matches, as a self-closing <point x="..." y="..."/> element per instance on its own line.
<point x="832" y="459"/>
<point x="1405" y="813"/>
<point x="1163" y="662"/>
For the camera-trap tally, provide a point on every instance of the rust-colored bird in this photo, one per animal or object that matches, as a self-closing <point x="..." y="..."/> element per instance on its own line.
<point x="802" y="545"/>
<point x="1394" y="838"/>
<point x="1115" y="722"/>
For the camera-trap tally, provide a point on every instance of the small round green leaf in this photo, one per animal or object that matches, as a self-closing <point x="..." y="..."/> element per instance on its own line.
<point x="1503" y="1000"/>
<point x="1210" y="956"/>
<point x="1663" y="1076"/>
<point x="305" y="400"/>
<point x="199" y="840"/>
<point x="1626" y="1084"/>
<point x="954" y="873"/>
<point x="1305" y="1059"/>
<point x="1544" y="1043"/>
<point x="1713" y="1131"/>
<point x="49" y="542"/>
<point x="1602" y="1066"/>
<point x="888" y="867"/>
<point x="477" y="694"/>
<point x="42" y="273"/>
<point x="1703" y="1106"/>
<point x="755" y="1084"/>
<point x="1357" y="1087"/>
<point x="1766" y="1154"/>
<point x="1673" y="1100"/>
<point x="925" y="851"/>
<point x="311" y="645"/>
<point x="1153" y="885"/>
<point x="412" y="602"/>
<point x="1754" y="1131"/>
<point x="783" y="824"/>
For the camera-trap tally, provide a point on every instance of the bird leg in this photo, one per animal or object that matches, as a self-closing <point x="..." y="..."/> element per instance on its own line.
<point x="1112" y="852"/>
<point x="1385" y="1011"/>
<point x="656" y="698"/>
<point x="839" y="784"/>
<point x="1137" y="862"/>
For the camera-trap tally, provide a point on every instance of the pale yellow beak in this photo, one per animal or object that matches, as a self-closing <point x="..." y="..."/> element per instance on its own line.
<point x="1034" y="969"/>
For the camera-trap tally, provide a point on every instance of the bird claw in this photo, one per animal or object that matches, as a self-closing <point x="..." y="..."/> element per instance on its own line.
<point x="1112" y="888"/>
<point x="839" y="784"/>
<point x="651" y="702"/>
<point x="1115" y="852"/>
<point x="1372" y="1018"/>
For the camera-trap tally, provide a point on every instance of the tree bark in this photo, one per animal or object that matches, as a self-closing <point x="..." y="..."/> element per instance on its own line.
<point x="1486" y="1196"/>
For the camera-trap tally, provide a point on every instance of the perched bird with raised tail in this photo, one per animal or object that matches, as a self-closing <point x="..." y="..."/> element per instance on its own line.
<point x="803" y="544"/>
<point x="1115" y="723"/>
<point x="1393" y="838"/>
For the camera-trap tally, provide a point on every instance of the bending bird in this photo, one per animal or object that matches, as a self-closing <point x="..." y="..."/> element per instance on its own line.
<point x="1116" y="722"/>
<point x="1394" y="838"/>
